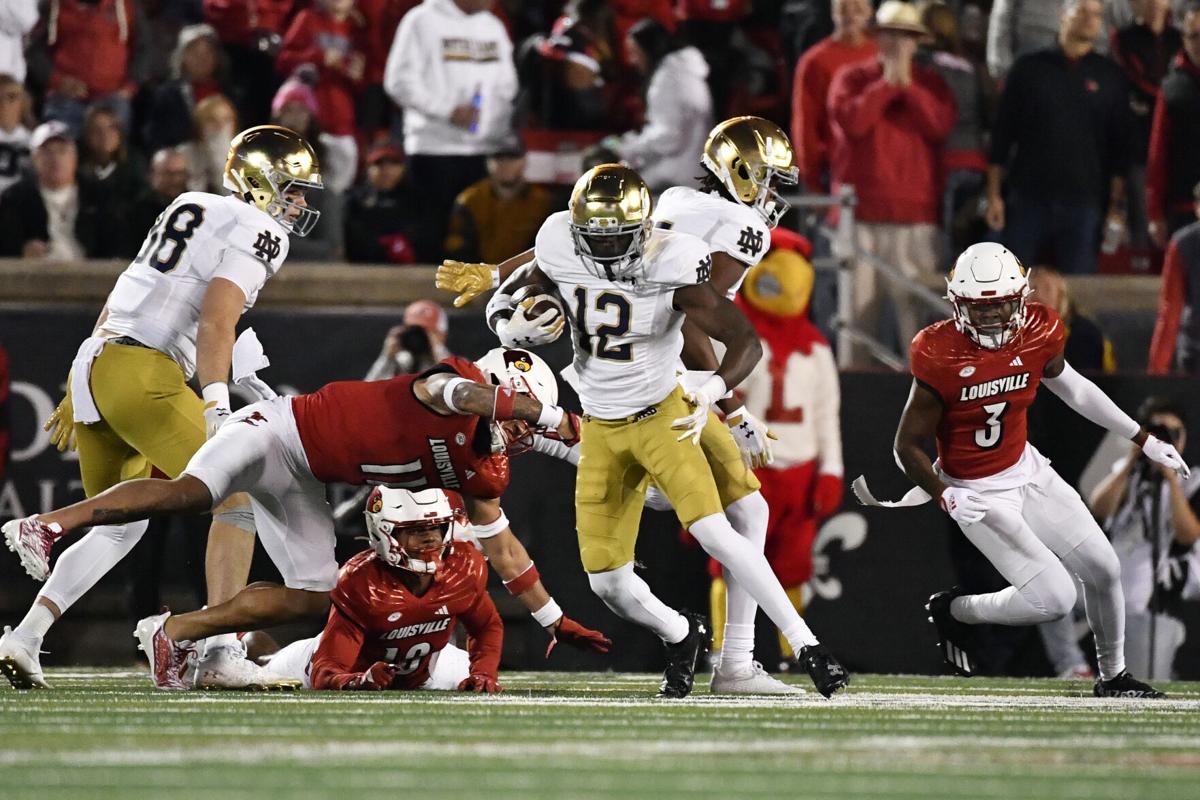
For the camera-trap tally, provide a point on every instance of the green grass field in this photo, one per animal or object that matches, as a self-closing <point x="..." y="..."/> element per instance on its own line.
<point x="108" y="734"/>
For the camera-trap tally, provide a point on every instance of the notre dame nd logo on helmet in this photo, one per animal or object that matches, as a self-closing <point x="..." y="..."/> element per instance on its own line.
<point x="750" y="242"/>
<point x="267" y="246"/>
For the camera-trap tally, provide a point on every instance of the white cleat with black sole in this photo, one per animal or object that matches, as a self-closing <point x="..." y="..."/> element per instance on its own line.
<point x="749" y="678"/>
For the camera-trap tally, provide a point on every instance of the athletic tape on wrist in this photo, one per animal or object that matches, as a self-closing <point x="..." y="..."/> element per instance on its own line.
<point x="448" y="394"/>
<point x="216" y="392"/>
<point x="490" y="529"/>
<point x="506" y="399"/>
<point x="524" y="581"/>
<point x="551" y="417"/>
<point x="548" y="614"/>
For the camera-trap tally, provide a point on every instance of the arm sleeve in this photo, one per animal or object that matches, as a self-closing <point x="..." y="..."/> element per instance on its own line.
<point x="485" y="633"/>
<point x="556" y="449"/>
<point x="341" y="643"/>
<point x="1156" y="162"/>
<point x="827" y="410"/>
<point x="1170" y="308"/>
<point x="1086" y="399"/>
<point x="1000" y="38"/>
<point x="405" y="76"/>
<point x="857" y="108"/>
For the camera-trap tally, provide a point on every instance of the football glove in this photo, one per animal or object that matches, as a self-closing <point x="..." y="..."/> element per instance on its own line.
<point x="61" y="425"/>
<point x="827" y="495"/>
<point x="753" y="438"/>
<point x="574" y="634"/>
<point x="522" y="331"/>
<point x="1164" y="453"/>
<point x="570" y="420"/>
<point x="701" y="398"/>
<point x="469" y="280"/>
<point x="377" y="677"/>
<point x="964" y="506"/>
<point x="480" y="684"/>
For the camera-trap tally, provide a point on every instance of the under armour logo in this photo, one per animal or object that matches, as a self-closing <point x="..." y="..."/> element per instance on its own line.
<point x="267" y="246"/>
<point x="705" y="269"/>
<point x="253" y="418"/>
<point x="750" y="242"/>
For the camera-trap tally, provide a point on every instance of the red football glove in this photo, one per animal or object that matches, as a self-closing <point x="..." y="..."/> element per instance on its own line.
<point x="576" y="635"/>
<point x="576" y="424"/>
<point x="827" y="495"/>
<point x="480" y="684"/>
<point x="377" y="677"/>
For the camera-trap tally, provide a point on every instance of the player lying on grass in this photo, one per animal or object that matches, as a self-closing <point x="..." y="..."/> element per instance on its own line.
<point x="395" y="606"/>
<point x="974" y="377"/>
<point x="452" y="427"/>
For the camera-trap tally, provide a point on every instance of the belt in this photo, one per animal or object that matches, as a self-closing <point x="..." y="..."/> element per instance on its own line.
<point x="648" y="411"/>
<point x="129" y="341"/>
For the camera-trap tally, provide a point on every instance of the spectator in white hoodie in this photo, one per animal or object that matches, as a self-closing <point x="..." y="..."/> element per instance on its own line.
<point x="17" y="18"/>
<point x="679" y="108"/>
<point x="451" y="70"/>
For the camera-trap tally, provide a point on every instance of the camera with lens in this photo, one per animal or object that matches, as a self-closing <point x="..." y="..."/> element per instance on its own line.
<point x="415" y="349"/>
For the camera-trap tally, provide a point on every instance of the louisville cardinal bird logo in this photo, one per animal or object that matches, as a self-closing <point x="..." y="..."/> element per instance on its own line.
<point x="518" y="359"/>
<point x="253" y="418"/>
<point x="376" y="502"/>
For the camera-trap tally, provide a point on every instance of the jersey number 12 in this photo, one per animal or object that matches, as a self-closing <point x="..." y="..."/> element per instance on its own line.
<point x="597" y="344"/>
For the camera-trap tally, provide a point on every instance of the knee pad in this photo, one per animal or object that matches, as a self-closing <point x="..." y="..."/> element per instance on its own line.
<point x="241" y="517"/>
<point x="609" y="585"/>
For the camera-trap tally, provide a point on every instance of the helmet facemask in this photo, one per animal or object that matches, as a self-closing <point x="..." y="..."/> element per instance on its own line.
<point x="610" y="250"/>
<point x="394" y="538"/>
<point x="755" y="186"/>
<point x="990" y="322"/>
<point x="272" y="198"/>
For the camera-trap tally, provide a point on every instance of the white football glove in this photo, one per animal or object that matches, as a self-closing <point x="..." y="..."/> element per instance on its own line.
<point x="216" y="407"/>
<point x="963" y="505"/>
<point x="521" y="331"/>
<point x="1164" y="453"/>
<point x="753" y="438"/>
<point x="702" y="397"/>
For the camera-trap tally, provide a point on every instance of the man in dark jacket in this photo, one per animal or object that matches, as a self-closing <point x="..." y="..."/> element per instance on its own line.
<point x="382" y="216"/>
<point x="169" y="175"/>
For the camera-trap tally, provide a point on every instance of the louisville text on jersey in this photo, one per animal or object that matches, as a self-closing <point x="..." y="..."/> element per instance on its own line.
<point x="1009" y="383"/>
<point x="418" y="629"/>
<point x="442" y="463"/>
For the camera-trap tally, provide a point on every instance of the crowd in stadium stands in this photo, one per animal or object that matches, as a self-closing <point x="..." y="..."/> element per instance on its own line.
<point x="1066" y="130"/>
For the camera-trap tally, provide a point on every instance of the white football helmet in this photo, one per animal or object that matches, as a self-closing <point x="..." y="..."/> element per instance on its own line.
<point x="390" y="511"/>
<point x="528" y="374"/>
<point x="987" y="288"/>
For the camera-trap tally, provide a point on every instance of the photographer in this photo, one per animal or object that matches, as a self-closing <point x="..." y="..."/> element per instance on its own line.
<point x="1151" y="515"/>
<point x="415" y="345"/>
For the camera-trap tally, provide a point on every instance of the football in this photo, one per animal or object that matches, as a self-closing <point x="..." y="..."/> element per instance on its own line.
<point x="544" y="299"/>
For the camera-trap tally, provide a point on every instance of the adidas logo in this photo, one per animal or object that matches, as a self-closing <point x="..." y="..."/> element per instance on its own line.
<point x="1016" y="362"/>
<point x="443" y="611"/>
<point x="470" y="474"/>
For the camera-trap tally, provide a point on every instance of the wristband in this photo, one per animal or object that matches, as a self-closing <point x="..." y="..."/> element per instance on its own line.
<point x="216" y="393"/>
<point x="548" y="614"/>
<point x="506" y="398"/>
<point x="524" y="581"/>
<point x="448" y="393"/>
<point x="715" y="387"/>
<point x="490" y="529"/>
<point x="551" y="417"/>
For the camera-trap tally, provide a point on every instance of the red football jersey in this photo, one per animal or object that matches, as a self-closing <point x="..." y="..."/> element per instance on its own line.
<point x="985" y="393"/>
<point x="376" y="618"/>
<point x="378" y="432"/>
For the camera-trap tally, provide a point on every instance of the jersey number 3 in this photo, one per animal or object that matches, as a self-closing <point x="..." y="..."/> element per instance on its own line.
<point x="169" y="237"/>
<point x="597" y="344"/>
<point x="988" y="436"/>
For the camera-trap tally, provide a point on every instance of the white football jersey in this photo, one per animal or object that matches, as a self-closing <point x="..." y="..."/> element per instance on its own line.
<point x="14" y="155"/>
<point x="198" y="237"/>
<point x="726" y="226"/>
<point x="626" y="333"/>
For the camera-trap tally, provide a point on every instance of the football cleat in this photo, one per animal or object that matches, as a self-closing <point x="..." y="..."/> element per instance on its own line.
<point x="1125" y="685"/>
<point x="748" y="678"/>
<point x="171" y="663"/>
<point x="680" y="673"/>
<point x="20" y="662"/>
<point x="827" y="674"/>
<point x="227" y="667"/>
<point x="32" y="540"/>
<point x="952" y="634"/>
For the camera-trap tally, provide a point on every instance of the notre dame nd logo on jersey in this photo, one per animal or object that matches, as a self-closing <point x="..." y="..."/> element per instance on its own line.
<point x="705" y="269"/>
<point x="267" y="246"/>
<point x="750" y="242"/>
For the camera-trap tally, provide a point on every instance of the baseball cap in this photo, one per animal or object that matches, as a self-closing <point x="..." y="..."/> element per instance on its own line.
<point x="54" y="129"/>
<point x="385" y="152"/>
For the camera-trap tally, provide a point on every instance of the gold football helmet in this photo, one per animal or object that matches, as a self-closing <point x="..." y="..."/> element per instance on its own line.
<point x="610" y="220"/>
<point x="265" y="163"/>
<point x="750" y="156"/>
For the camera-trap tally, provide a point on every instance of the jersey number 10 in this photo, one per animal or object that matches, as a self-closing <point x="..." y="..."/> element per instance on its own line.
<point x="169" y="237"/>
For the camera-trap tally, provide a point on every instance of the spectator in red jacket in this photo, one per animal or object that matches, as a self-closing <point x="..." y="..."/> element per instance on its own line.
<point x="92" y="48"/>
<point x="1175" y="346"/>
<point x="251" y="31"/>
<point x="331" y="36"/>
<point x="850" y="42"/>
<point x="1173" y="165"/>
<point x="890" y="118"/>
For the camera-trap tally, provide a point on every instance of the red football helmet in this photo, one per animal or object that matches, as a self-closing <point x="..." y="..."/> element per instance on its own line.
<point x="391" y="513"/>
